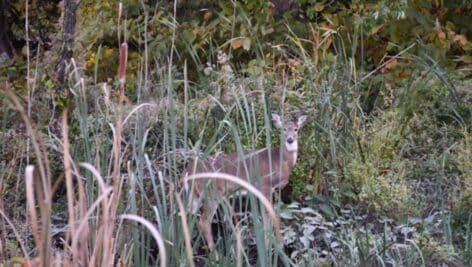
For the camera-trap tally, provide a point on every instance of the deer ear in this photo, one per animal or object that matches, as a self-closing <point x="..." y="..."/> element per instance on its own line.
<point x="301" y="120"/>
<point x="277" y="120"/>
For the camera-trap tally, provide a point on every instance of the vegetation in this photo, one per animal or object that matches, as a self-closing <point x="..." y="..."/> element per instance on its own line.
<point x="90" y="167"/>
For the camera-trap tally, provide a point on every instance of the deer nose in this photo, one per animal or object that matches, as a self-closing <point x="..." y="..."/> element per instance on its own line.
<point x="290" y="140"/>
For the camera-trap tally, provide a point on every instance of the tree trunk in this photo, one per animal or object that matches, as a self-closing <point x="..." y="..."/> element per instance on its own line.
<point x="69" y="21"/>
<point x="6" y="49"/>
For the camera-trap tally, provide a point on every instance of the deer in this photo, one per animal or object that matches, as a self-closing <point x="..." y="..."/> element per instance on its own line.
<point x="267" y="169"/>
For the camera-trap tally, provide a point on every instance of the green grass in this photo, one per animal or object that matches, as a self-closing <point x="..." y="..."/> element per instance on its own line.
<point x="383" y="175"/>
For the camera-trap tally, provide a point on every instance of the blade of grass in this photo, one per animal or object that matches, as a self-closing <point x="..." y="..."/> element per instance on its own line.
<point x="154" y="232"/>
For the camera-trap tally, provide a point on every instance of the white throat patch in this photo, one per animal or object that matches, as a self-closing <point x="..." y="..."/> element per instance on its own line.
<point x="294" y="157"/>
<point x="293" y="147"/>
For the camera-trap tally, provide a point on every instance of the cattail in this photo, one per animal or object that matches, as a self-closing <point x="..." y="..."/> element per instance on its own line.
<point x="123" y="63"/>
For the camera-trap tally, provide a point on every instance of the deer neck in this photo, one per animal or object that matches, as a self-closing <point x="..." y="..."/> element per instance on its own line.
<point x="290" y="156"/>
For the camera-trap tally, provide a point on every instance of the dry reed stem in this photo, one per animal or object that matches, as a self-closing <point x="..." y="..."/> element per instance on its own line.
<point x="122" y="68"/>
<point x="183" y="216"/>
<point x="120" y="11"/>
<point x="17" y="235"/>
<point x="109" y="214"/>
<point x="42" y="159"/>
<point x="44" y="203"/>
<point x="82" y="203"/>
<point x="134" y="110"/>
<point x="237" y="233"/>
<point x="249" y="187"/>
<point x="154" y="232"/>
<point x="96" y="174"/>
<point x="105" y="231"/>
<point x="29" y="176"/>
<point x="93" y="258"/>
<point x="84" y="220"/>
<point x="69" y="185"/>
<point x="83" y="235"/>
<point x="57" y="183"/>
<point x="42" y="236"/>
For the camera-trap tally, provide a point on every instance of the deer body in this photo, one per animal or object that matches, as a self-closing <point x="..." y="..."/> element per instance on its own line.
<point x="267" y="169"/>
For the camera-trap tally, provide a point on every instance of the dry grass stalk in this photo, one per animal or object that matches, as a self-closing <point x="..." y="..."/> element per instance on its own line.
<point x="122" y="67"/>
<point x="186" y="231"/>
<point x="247" y="186"/>
<point x="101" y="254"/>
<point x="17" y="235"/>
<point x="155" y="234"/>
<point x="41" y="232"/>
<point x="69" y="185"/>
<point x="41" y="157"/>
<point x="110" y="205"/>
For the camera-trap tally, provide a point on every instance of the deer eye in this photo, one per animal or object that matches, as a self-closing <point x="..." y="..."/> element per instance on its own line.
<point x="296" y="129"/>
<point x="285" y="129"/>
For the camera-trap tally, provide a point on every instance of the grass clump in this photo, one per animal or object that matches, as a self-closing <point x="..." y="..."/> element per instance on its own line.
<point x="462" y="155"/>
<point x="384" y="165"/>
<point x="377" y="176"/>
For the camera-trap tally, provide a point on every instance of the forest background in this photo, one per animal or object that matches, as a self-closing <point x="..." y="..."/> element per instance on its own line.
<point x="109" y="100"/>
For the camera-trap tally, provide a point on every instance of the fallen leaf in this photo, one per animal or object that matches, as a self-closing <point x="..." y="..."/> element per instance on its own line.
<point x="377" y="28"/>
<point x="461" y="39"/>
<point x="236" y="43"/>
<point x="389" y="65"/>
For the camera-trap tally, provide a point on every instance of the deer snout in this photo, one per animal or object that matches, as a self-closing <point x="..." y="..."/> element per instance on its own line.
<point x="290" y="140"/>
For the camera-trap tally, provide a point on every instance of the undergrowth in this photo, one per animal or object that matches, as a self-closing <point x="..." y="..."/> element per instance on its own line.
<point x="384" y="174"/>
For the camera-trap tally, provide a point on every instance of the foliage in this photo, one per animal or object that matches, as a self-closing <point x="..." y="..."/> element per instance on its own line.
<point x="462" y="156"/>
<point x="383" y="174"/>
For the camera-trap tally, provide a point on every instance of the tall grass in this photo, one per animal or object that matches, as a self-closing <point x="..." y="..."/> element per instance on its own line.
<point x="114" y="168"/>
